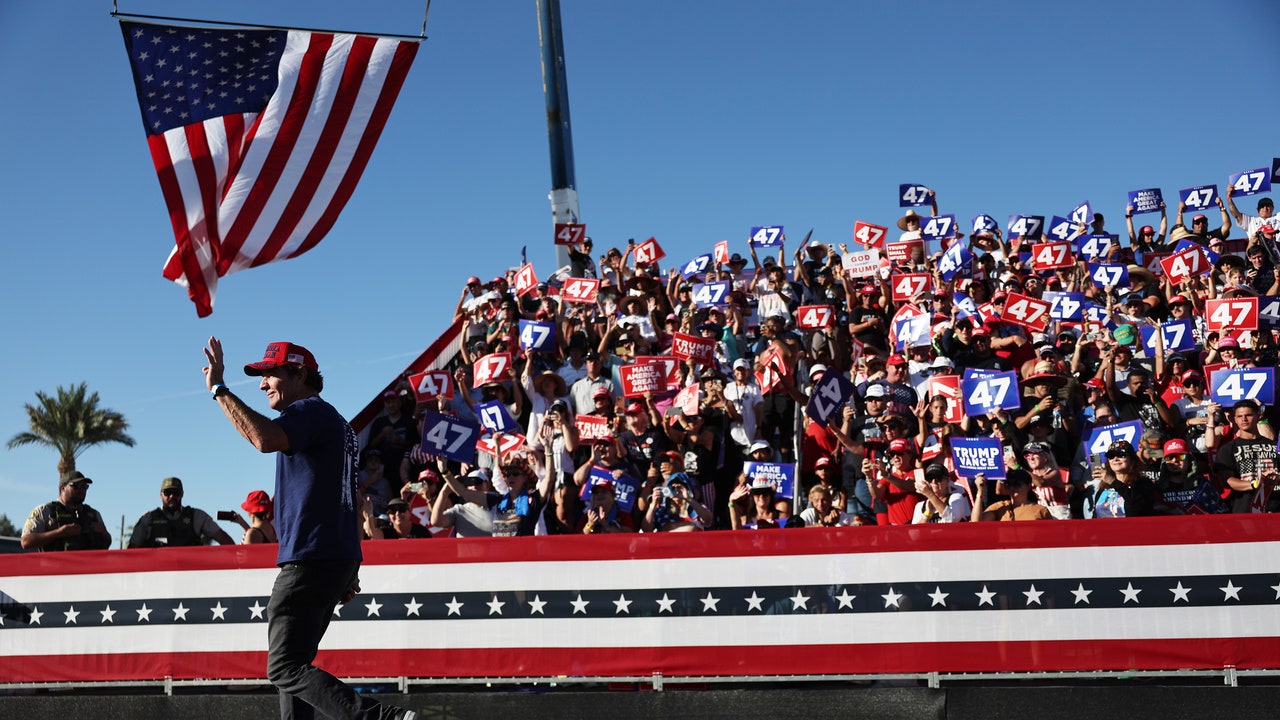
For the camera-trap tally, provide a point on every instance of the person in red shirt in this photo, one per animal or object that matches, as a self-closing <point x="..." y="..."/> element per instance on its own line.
<point x="897" y="485"/>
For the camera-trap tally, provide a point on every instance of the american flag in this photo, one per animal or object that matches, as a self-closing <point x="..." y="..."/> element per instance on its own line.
<point x="1137" y="593"/>
<point x="258" y="137"/>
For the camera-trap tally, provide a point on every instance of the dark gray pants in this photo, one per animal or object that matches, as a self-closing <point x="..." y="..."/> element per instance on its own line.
<point x="301" y="606"/>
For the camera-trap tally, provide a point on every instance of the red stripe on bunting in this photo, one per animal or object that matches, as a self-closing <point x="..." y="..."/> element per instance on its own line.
<point x="589" y="661"/>
<point x="1126" y="533"/>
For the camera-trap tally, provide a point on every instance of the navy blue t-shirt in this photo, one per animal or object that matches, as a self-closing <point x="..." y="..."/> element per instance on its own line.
<point x="316" y="485"/>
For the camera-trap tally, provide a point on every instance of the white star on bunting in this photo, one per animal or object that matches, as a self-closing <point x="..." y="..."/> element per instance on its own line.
<point x="709" y="603"/>
<point x="255" y="610"/>
<point x="621" y="605"/>
<point x="892" y="598"/>
<point x="1180" y="593"/>
<point x="180" y="613"/>
<point x="799" y="601"/>
<point x="36" y="615"/>
<point x="219" y="612"/>
<point x="1033" y="595"/>
<point x="144" y="613"/>
<point x="846" y="600"/>
<point x="665" y="604"/>
<point x="1231" y="591"/>
<point x="579" y="605"/>
<point x="72" y="613"/>
<point x="455" y="607"/>
<point x="939" y="597"/>
<point x="755" y="602"/>
<point x="1131" y="593"/>
<point x="108" y="615"/>
<point x="495" y="605"/>
<point x="985" y="597"/>
<point x="1082" y="595"/>
<point x="412" y="607"/>
<point x="536" y="605"/>
<point x="373" y="607"/>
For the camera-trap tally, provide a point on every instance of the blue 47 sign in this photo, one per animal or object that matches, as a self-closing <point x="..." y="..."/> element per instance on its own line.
<point x="985" y="394"/>
<point x="707" y="295"/>
<point x="912" y="195"/>
<point x="537" y="335"/>
<point x="1102" y="437"/>
<point x="1027" y="227"/>
<point x="1250" y="182"/>
<point x="1228" y="387"/>
<point x="954" y="259"/>
<point x="1200" y="197"/>
<point x="1096" y="246"/>
<point x="449" y="436"/>
<point x="828" y="395"/>
<point x="696" y="266"/>
<point x="1177" y="337"/>
<point x="766" y="236"/>
<point x="495" y="418"/>
<point x="938" y="227"/>
<point x="1065" y="305"/>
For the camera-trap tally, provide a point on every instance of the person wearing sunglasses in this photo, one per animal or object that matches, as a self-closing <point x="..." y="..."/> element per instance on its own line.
<point x="174" y="525"/>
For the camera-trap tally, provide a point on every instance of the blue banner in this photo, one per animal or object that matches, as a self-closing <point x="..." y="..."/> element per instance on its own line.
<point x="766" y="236"/>
<point x="1269" y="313"/>
<point x="955" y="259"/>
<point x="965" y="306"/>
<point x="912" y="195"/>
<point x="1027" y="227"/>
<point x="913" y="332"/>
<point x="1250" y="182"/>
<point x="971" y="373"/>
<point x="983" y="224"/>
<point x="536" y="335"/>
<point x="986" y="394"/>
<point x="449" y="436"/>
<point x="783" y="475"/>
<point x="978" y="456"/>
<point x="1102" y="437"/>
<point x="827" y="396"/>
<point x="1064" y="305"/>
<point x="1146" y="201"/>
<point x="1061" y="229"/>
<point x="1096" y="246"/>
<point x="707" y="295"/>
<point x="1082" y="213"/>
<point x="1177" y="337"/>
<point x="624" y="488"/>
<point x="696" y="266"/>
<point x="1106" y="275"/>
<point x="1200" y="197"/>
<point x="494" y="417"/>
<point x="1228" y="387"/>
<point x="937" y="228"/>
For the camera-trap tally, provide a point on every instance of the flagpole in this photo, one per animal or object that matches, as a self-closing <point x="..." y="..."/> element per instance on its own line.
<point x="555" y="88"/>
<point x="258" y="26"/>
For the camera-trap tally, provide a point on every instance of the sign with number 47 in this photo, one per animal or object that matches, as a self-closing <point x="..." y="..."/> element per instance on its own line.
<point x="814" y="317"/>
<point x="985" y="394"/>
<point x="1228" y="387"/>
<point x="1232" y="314"/>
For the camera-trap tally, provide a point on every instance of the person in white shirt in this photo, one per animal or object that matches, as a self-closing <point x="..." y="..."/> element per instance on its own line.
<point x="943" y="501"/>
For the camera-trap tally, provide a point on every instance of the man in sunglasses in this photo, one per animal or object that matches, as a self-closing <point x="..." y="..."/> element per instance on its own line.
<point x="175" y="525"/>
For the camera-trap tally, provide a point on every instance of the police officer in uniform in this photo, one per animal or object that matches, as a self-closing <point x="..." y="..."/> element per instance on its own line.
<point x="172" y="525"/>
<point x="66" y="523"/>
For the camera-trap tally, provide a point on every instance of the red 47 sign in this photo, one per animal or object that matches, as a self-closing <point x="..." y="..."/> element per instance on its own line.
<point x="580" y="290"/>
<point x="814" y="317"/>
<point x="1233" y="314"/>
<point x="1052" y="256"/>
<point x="491" y="369"/>
<point x="431" y="384"/>
<point x="510" y="443"/>
<point x="1029" y="312"/>
<point x="649" y="252"/>
<point x="525" y="279"/>
<point x="1183" y="265"/>
<point x="906" y="286"/>
<point x="867" y="234"/>
<point x="721" y="254"/>
<point x="948" y="386"/>
<point x="570" y="233"/>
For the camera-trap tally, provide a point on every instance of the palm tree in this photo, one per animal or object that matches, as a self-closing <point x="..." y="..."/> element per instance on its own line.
<point x="71" y="423"/>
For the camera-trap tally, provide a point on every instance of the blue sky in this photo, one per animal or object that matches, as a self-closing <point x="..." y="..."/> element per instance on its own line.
<point x="692" y="122"/>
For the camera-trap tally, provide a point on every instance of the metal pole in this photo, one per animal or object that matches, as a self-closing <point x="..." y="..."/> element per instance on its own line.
<point x="555" y="88"/>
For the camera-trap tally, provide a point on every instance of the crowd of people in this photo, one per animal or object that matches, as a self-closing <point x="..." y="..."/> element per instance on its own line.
<point x="683" y="456"/>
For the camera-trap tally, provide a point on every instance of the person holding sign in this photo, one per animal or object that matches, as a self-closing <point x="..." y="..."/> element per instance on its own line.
<point x="1199" y="231"/>
<point x="1124" y="487"/>
<point x="944" y="502"/>
<point x="1021" y="505"/>
<point x="1148" y="240"/>
<point x="1247" y="461"/>
<point x="1252" y="223"/>
<point x="896" y="484"/>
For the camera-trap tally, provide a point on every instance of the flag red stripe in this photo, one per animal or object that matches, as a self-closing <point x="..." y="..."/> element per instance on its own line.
<point x="673" y="662"/>
<point x="353" y="75"/>
<point x="403" y="59"/>
<point x="266" y="182"/>
<point x="1128" y="533"/>
<point x="184" y="261"/>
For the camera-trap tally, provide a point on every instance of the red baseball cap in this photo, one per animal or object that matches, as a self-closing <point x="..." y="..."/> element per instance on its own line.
<point x="279" y="354"/>
<point x="635" y="408"/>
<point x="822" y="462"/>
<point x="1179" y="299"/>
<point x="428" y="475"/>
<point x="1096" y="384"/>
<point x="1175" y="446"/>
<point x="1190" y="374"/>
<point x="902" y="445"/>
<point x="896" y="360"/>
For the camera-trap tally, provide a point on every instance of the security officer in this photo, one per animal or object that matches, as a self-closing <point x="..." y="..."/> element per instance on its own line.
<point x="66" y="523"/>
<point x="172" y="525"/>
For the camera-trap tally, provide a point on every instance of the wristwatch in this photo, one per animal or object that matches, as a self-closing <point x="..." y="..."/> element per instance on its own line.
<point x="217" y="390"/>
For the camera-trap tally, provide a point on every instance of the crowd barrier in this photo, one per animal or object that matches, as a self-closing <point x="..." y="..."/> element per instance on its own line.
<point x="1133" y="594"/>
